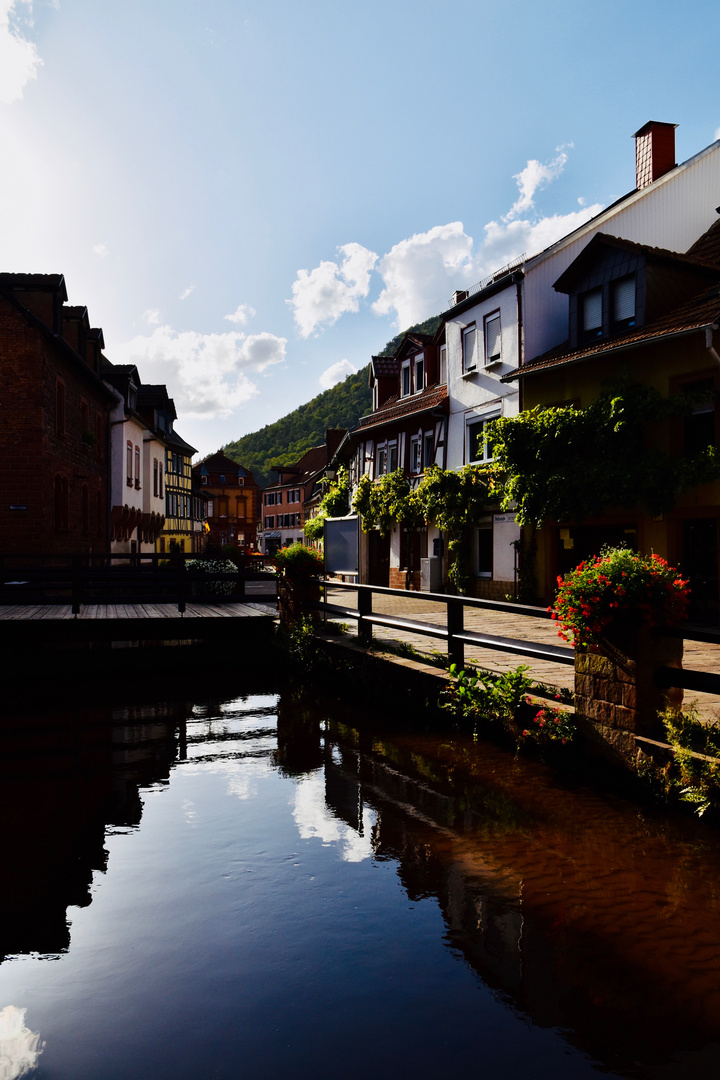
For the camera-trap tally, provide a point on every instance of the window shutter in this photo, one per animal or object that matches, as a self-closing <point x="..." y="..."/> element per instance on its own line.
<point x="469" y="348"/>
<point x="624" y="300"/>
<point x="592" y="310"/>
<point x="492" y="339"/>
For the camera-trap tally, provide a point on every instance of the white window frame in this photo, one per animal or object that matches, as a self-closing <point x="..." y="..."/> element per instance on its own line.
<point x="419" y="370"/>
<point x="415" y="455"/>
<point x="495" y="358"/>
<point x="428" y="458"/>
<point x="443" y="365"/>
<point x="466" y="331"/>
<point x="381" y="459"/>
<point x="392" y="455"/>
<point x="470" y="422"/>
<point x="405" y="380"/>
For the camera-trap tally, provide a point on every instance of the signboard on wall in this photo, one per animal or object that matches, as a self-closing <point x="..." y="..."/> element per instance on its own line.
<point x="505" y="532"/>
<point x="342" y="545"/>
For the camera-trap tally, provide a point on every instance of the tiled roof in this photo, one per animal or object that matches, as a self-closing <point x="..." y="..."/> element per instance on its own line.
<point x="396" y="407"/>
<point x="701" y="311"/>
<point x="707" y="247"/>
<point x="384" y="366"/>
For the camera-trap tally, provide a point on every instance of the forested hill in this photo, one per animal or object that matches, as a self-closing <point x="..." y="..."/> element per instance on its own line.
<point x="283" y="442"/>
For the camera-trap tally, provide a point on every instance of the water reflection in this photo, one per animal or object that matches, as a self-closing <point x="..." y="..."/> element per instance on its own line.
<point x="20" y="1048"/>
<point x="578" y="912"/>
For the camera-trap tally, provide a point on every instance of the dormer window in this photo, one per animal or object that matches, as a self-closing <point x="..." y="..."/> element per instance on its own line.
<point x="203" y="479"/>
<point x="419" y="372"/>
<point x="592" y="314"/>
<point x="405" y="380"/>
<point x="623" y="301"/>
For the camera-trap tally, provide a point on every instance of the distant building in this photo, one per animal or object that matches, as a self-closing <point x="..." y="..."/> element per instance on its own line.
<point x="286" y="503"/>
<point x="233" y="501"/>
<point x="184" y="516"/>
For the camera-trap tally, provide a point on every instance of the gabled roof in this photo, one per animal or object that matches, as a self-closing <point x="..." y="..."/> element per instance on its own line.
<point x="696" y="314"/>
<point x="707" y="247"/>
<point x="221" y="463"/>
<point x="578" y="267"/>
<point x="383" y="367"/>
<point x="396" y="408"/>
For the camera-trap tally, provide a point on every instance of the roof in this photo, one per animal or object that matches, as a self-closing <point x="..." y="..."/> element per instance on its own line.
<point x="309" y="465"/>
<point x="395" y="408"/>
<point x="384" y="366"/>
<point x="35" y="282"/>
<point x="696" y="314"/>
<point x="589" y="254"/>
<point x="707" y="247"/>
<point x="222" y="464"/>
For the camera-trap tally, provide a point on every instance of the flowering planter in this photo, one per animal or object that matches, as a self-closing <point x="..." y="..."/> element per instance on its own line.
<point x="295" y="593"/>
<point x="615" y="607"/>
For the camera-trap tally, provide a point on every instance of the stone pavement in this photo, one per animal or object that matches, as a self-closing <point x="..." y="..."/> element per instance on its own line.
<point x="698" y="655"/>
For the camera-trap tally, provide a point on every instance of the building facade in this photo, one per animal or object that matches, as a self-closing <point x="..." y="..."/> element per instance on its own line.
<point x="233" y="502"/>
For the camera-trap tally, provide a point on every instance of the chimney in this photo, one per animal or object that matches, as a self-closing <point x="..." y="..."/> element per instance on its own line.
<point x="458" y="296"/>
<point x="654" y="152"/>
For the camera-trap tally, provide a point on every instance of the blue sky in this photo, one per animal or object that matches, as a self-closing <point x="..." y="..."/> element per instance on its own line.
<point x="253" y="197"/>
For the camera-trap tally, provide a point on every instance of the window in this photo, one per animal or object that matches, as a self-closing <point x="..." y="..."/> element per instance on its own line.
<point x="204" y="478"/>
<point x="428" y="449"/>
<point x="381" y="460"/>
<point x="623" y="310"/>
<point x="222" y="477"/>
<point x="477" y="448"/>
<point x="468" y="348"/>
<point x="241" y="481"/>
<point x="269" y="498"/>
<point x="443" y="364"/>
<point x="155" y="476"/>
<point x="700" y="421"/>
<point x="129" y="464"/>
<point x="137" y="467"/>
<point x="160" y="479"/>
<point x="392" y="457"/>
<point x="279" y="498"/>
<point x="59" y="408"/>
<point x="415" y="466"/>
<point x="270" y="521"/>
<point x="492" y="338"/>
<point x="222" y="507"/>
<point x="591" y="307"/>
<point x="419" y="372"/>
<point x="485" y="547"/>
<point x="405" y="380"/>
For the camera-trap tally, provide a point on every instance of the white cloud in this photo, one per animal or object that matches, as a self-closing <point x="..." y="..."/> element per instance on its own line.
<point x="186" y="292"/>
<point x="242" y="314"/>
<point x="533" y="178"/>
<point x="102" y="250"/>
<point x="152" y="316"/>
<point x="19" y="60"/>
<point x="322" y="295"/>
<point x="420" y="273"/>
<point x="336" y="373"/>
<point x="206" y="374"/>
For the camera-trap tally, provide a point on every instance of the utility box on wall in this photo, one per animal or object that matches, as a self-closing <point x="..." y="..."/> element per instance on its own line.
<point x="431" y="574"/>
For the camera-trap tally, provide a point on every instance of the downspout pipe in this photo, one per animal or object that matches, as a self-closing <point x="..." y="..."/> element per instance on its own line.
<point x="709" y="342"/>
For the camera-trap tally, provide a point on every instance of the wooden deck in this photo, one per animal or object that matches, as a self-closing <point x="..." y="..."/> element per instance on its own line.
<point x="23" y="624"/>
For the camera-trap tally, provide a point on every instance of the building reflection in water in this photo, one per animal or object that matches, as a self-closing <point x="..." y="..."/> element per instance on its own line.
<point x="581" y="912"/>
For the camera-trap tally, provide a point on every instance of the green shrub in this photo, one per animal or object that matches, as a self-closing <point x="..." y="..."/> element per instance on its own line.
<point x="298" y="560"/>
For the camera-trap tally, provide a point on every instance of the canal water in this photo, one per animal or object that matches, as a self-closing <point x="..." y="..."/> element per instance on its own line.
<point x="257" y="887"/>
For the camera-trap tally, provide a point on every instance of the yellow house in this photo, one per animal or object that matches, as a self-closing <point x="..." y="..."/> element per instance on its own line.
<point x="651" y="316"/>
<point x="183" y="519"/>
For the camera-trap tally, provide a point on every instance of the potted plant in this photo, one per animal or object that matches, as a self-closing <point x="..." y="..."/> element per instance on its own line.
<point x="299" y="568"/>
<point x="617" y="594"/>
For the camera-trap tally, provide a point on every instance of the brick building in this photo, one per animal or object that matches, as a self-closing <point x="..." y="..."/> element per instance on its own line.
<point x="233" y="501"/>
<point x="54" y="434"/>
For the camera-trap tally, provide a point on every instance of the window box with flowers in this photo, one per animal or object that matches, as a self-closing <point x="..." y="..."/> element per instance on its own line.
<point x="614" y="608"/>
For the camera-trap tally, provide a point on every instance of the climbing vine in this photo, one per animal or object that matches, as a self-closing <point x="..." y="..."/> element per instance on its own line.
<point x="334" y="503"/>
<point x="567" y="464"/>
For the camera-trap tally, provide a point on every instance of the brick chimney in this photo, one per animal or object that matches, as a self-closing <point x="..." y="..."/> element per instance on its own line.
<point x="654" y="152"/>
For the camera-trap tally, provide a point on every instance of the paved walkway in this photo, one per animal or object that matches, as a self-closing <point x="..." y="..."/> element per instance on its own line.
<point x="698" y="656"/>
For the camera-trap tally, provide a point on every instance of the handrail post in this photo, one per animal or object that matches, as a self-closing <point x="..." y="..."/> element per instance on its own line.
<point x="455" y="625"/>
<point x="182" y="587"/>
<point x="75" y="584"/>
<point x="364" y="603"/>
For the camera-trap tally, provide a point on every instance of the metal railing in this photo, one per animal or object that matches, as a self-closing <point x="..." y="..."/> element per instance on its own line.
<point x="453" y="633"/>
